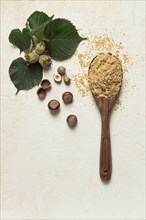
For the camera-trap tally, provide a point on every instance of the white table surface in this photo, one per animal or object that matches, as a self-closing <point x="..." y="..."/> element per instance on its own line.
<point x="50" y="171"/>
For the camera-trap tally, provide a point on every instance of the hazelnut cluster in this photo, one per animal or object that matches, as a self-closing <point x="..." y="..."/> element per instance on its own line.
<point x="67" y="97"/>
<point x="39" y="54"/>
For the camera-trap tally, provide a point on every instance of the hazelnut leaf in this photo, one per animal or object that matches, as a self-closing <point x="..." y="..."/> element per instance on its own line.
<point x="37" y="22"/>
<point x="37" y="18"/>
<point x="22" y="40"/>
<point x="25" y="76"/>
<point x="39" y="32"/>
<point x="63" y="38"/>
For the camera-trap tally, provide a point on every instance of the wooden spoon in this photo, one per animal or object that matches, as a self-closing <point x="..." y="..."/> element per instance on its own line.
<point x="105" y="106"/>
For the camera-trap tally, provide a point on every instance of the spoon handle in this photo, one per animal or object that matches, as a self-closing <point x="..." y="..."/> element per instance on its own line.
<point x="105" y="149"/>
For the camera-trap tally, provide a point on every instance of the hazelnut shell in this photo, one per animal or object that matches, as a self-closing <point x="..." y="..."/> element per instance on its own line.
<point x="45" y="84"/>
<point x="53" y="105"/>
<point x="67" y="97"/>
<point x="67" y="80"/>
<point x="57" y="78"/>
<point x="41" y="93"/>
<point x="61" y="70"/>
<point x="71" y="120"/>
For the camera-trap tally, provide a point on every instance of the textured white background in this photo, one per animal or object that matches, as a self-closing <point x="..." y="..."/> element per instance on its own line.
<point x="50" y="171"/>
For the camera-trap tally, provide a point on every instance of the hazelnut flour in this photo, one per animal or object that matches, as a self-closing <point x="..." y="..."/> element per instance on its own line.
<point x="105" y="75"/>
<point x="102" y="43"/>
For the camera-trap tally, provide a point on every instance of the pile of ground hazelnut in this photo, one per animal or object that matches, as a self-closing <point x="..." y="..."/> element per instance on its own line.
<point x="95" y="45"/>
<point x="101" y="43"/>
<point x="105" y="75"/>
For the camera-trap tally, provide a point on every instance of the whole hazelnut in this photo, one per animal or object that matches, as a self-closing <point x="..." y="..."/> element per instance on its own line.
<point x="67" y="97"/>
<point x="41" y="93"/>
<point x="53" y="105"/>
<point x="67" y="80"/>
<point x="45" y="61"/>
<point x="61" y="70"/>
<point x="45" y="84"/>
<point x="71" y="120"/>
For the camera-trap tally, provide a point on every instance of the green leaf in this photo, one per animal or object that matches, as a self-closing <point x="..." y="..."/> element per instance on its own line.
<point x="39" y="32"/>
<point x="37" y="22"/>
<point x="38" y="18"/>
<point x="63" y="38"/>
<point x="24" y="76"/>
<point x="22" y="40"/>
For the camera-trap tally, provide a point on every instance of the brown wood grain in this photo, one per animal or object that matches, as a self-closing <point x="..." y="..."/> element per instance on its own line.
<point x="105" y="107"/>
